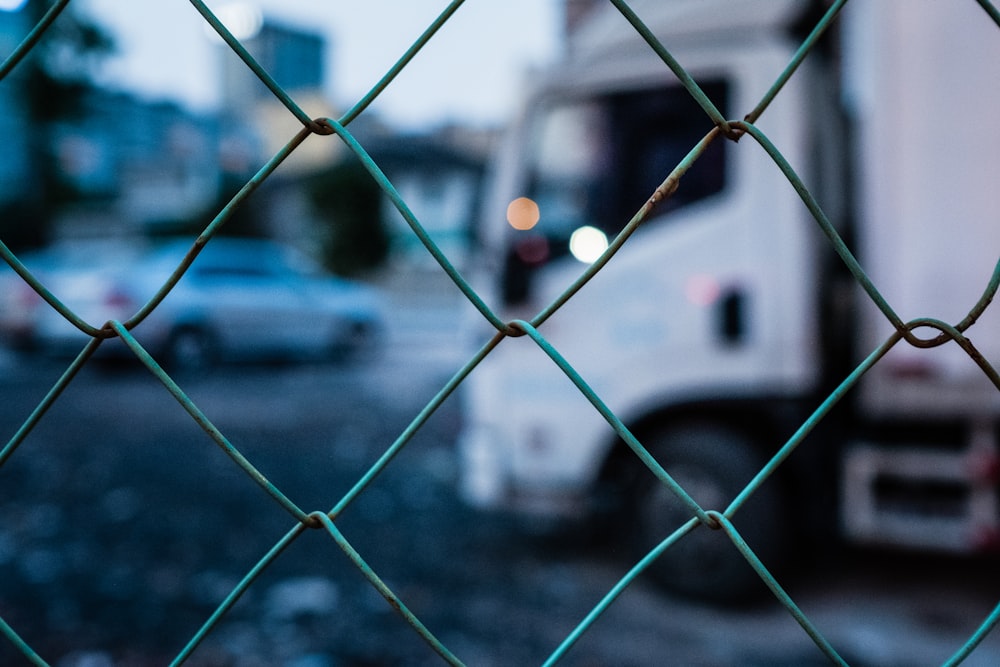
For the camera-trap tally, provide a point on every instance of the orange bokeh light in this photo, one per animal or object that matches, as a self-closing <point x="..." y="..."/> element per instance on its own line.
<point x="522" y="213"/>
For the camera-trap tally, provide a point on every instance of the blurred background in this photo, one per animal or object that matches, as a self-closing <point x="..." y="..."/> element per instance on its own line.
<point x="122" y="525"/>
<point x="200" y="123"/>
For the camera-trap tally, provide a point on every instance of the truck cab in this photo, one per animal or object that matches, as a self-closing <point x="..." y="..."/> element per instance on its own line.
<point x="719" y="324"/>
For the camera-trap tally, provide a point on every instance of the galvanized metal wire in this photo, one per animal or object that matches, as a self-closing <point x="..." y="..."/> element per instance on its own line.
<point x="329" y="129"/>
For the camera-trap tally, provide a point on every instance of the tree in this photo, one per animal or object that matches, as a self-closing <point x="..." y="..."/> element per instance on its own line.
<point x="349" y="202"/>
<point x="52" y="81"/>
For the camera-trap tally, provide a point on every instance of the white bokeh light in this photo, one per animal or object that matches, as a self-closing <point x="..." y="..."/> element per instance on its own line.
<point x="587" y="243"/>
<point x="12" y="5"/>
<point x="242" y="19"/>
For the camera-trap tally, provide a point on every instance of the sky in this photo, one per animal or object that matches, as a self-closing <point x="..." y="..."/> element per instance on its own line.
<point x="469" y="73"/>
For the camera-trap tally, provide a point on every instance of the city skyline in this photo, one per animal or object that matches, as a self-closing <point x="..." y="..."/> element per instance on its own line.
<point x="499" y="44"/>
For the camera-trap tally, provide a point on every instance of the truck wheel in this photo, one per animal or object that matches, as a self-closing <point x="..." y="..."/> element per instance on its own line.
<point x="712" y="463"/>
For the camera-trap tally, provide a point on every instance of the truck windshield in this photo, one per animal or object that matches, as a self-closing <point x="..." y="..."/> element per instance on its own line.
<point x="591" y="164"/>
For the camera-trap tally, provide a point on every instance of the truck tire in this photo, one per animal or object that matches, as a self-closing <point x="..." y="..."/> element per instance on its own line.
<point x="713" y="463"/>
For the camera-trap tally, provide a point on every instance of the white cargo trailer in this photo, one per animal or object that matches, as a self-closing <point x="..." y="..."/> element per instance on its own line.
<point x="726" y="320"/>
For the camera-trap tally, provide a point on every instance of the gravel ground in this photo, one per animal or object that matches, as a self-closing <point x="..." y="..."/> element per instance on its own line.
<point x="123" y="526"/>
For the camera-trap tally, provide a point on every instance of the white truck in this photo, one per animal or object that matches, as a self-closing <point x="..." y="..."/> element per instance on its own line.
<point x="727" y="319"/>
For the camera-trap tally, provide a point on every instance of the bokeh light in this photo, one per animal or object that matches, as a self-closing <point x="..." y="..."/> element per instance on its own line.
<point x="523" y="213"/>
<point x="587" y="243"/>
<point x="244" y="20"/>
<point x="702" y="289"/>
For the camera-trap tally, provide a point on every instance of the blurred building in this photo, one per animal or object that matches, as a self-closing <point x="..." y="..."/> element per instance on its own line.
<point x="441" y="184"/>
<point x="167" y="159"/>
<point x="136" y="167"/>
<point x="295" y="59"/>
<point x="576" y="12"/>
<point x="115" y="165"/>
<point x="15" y="158"/>
<point x="438" y="176"/>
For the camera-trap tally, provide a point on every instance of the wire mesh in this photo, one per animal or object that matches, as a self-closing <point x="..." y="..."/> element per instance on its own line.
<point x="330" y="129"/>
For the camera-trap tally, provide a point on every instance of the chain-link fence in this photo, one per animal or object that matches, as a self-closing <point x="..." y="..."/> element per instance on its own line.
<point x="305" y="519"/>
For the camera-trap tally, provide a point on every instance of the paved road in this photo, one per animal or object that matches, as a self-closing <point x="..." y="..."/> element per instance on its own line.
<point x="122" y="526"/>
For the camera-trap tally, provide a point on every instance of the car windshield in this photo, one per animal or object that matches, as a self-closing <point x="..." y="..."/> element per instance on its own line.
<point x="594" y="161"/>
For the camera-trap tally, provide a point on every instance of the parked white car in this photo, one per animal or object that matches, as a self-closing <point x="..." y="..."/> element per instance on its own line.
<point x="240" y="299"/>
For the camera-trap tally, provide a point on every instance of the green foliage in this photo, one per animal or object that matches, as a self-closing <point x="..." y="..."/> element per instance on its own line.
<point x="348" y="202"/>
<point x="53" y="80"/>
<point x="61" y="67"/>
<point x="23" y="225"/>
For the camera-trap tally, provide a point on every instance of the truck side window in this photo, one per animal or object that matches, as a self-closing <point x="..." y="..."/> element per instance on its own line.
<point x="594" y="161"/>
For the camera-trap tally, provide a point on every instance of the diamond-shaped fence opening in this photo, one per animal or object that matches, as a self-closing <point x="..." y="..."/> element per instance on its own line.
<point x="256" y="487"/>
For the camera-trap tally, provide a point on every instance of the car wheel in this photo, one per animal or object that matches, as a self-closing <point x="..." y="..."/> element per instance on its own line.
<point x="713" y="463"/>
<point x="359" y="341"/>
<point x="190" y="349"/>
